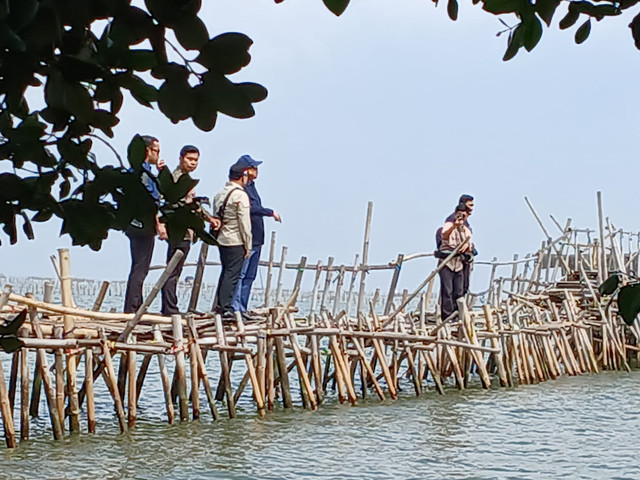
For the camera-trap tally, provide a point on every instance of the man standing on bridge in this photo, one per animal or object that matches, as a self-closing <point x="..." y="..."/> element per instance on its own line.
<point x="232" y="207"/>
<point x="142" y="233"/>
<point x="452" y="278"/>
<point x="258" y="212"/>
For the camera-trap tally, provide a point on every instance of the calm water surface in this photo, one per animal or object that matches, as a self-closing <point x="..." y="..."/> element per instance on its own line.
<point x="580" y="427"/>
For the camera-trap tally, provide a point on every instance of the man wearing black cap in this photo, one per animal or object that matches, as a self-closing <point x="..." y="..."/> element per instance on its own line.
<point x="258" y="212"/>
<point x="232" y="206"/>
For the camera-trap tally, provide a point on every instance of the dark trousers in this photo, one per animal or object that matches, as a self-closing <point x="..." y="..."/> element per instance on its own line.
<point x="169" y="296"/>
<point x="247" y="276"/>
<point x="232" y="259"/>
<point x="141" y="252"/>
<point x="451" y="289"/>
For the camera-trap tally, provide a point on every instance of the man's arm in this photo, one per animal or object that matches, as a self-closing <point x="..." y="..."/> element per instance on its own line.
<point x="244" y="221"/>
<point x="447" y="230"/>
<point x="161" y="228"/>
<point x="256" y="205"/>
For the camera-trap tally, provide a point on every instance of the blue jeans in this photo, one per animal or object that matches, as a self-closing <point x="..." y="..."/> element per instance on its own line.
<point x="247" y="276"/>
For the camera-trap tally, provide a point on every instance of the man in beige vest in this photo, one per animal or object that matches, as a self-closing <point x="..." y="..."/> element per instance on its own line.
<point x="232" y="206"/>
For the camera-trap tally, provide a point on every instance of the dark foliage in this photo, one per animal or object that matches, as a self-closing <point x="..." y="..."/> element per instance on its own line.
<point x="83" y="57"/>
<point x="9" y="341"/>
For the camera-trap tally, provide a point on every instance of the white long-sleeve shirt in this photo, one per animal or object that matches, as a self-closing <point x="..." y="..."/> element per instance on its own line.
<point x="236" y="218"/>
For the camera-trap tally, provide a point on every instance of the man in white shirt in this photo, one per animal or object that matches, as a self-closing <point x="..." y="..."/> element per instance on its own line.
<point x="189" y="157"/>
<point x="232" y="206"/>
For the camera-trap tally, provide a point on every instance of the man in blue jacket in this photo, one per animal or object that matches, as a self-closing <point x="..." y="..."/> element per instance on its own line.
<point x="258" y="212"/>
<point x="142" y="233"/>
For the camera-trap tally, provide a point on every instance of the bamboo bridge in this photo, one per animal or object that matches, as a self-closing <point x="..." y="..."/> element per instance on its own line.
<point x="541" y="320"/>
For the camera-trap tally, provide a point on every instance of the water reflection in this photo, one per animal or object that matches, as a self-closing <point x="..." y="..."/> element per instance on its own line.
<point x="580" y="427"/>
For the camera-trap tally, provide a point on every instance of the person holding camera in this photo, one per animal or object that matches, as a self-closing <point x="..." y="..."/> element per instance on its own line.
<point x="467" y="202"/>
<point x="452" y="275"/>
<point x="189" y="158"/>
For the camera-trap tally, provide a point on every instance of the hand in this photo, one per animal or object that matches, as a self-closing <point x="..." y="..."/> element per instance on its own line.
<point x="277" y="217"/>
<point x="161" y="230"/>
<point x="247" y="253"/>
<point x="161" y="164"/>
<point x="216" y="223"/>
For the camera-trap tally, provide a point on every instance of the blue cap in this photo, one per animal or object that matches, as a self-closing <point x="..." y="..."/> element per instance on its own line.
<point x="244" y="162"/>
<point x="247" y="162"/>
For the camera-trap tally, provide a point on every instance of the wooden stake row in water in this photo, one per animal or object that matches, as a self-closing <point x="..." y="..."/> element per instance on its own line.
<point x="543" y="321"/>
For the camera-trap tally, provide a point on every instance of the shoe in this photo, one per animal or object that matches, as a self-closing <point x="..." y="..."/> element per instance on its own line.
<point x="249" y="318"/>
<point x="228" y="317"/>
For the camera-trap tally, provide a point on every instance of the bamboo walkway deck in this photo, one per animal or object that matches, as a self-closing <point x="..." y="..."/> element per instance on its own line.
<point x="546" y="319"/>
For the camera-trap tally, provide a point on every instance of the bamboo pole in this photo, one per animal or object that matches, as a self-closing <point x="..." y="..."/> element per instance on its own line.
<point x="302" y="368"/>
<point x="171" y="266"/>
<point x="60" y="386"/>
<point x="202" y="371"/>
<point x="181" y="375"/>
<point x="340" y="366"/>
<point x="394" y="283"/>
<point x="166" y="386"/>
<point x="197" y="281"/>
<point x="195" y="380"/>
<point x="314" y="291"/>
<point x="282" y="373"/>
<point x="24" y="390"/>
<point x="41" y="362"/>
<point x="365" y="256"/>
<point x="379" y="352"/>
<point x="603" y="255"/>
<point x="261" y="372"/>
<point x="270" y="374"/>
<point x="5" y="296"/>
<point x="498" y="357"/>
<point x="225" y="367"/>
<point x="327" y="284"/>
<point x="87" y="314"/>
<point x="267" y="289"/>
<point x="336" y="302"/>
<point x="283" y="258"/>
<point x="142" y="374"/>
<point x="100" y="298"/>
<point x="298" y="281"/>
<point x="13" y="378"/>
<point x="551" y="242"/>
<point x="110" y="377"/>
<point x="69" y="325"/>
<point x="352" y="282"/>
<point x="258" y="395"/>
<point x="88" y="388"/>
<point x="7" y="414"/>
<point x="132" y="390"/>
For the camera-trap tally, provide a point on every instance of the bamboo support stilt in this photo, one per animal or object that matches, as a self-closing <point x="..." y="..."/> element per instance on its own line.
<point x="181" y="375"/>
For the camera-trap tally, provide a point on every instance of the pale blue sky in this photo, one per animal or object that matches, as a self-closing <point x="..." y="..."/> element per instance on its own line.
<point x="395" y="103"/>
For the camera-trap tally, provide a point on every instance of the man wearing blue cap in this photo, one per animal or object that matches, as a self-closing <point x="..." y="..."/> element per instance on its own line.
<point x="258" y="212"/>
